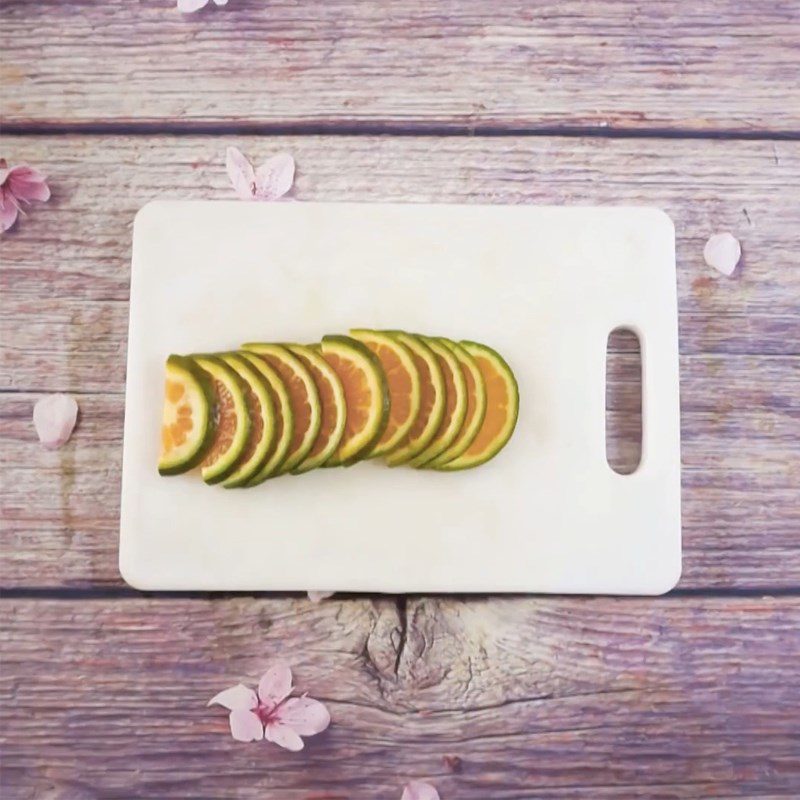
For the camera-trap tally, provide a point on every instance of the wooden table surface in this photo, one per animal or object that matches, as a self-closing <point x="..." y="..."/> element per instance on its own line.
<point x="692" y="106"/>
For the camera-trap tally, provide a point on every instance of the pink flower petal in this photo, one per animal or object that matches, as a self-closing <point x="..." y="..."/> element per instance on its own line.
<point x="237" y="698"/>
<point x="275" y="177"/>
<point x="275" y="685"/>
<point x="246" y="726"/>
<point x="723" y="251"/>
<point x="318" y="597"/>
<point x="221" y="2"/>
<point x="240" y="171"/>
<point x="284" y="736"/>
<point x="303" y="715"/>
<point x="27" y="184"/>
<point x="8" y="209"/>
<point x="417" y="790"/>
<point x="54" y="418"/>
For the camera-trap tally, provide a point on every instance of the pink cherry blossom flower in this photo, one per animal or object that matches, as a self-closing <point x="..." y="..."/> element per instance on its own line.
<point x="417" y="790"/>
<point x="318" y="597"/>
<point x="269" y="182"/>
<point x="189" y="6"/>
<point x="54" y="418"/>
<point x="271" y="713"/>
<point x="20" y="184"/>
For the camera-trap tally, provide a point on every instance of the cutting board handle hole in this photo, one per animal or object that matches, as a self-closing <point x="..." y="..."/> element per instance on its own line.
<point x="623" y="401"/>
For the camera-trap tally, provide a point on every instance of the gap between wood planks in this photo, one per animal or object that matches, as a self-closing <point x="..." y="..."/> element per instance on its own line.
<point x="126" y="593"/>
<point x="407" y="129"/>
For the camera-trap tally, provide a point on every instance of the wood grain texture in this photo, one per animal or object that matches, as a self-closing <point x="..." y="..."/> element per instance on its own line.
<point x="451" y="63"/>
<point x="63" y="322"/>
<point x="682" y="698"/>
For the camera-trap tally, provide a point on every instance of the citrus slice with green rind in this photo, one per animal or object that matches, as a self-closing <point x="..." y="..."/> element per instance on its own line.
<point x="283" y="419"/>
<point x="476" y="407"/>
<point x="233" y="421"/>
<point x="187" y="424"/>
<point x="333" y="408"/>
<point x="455" y="406"/>
<point x="366" y="395"/>
<point x="502" y="408"/>
<point x="432" y="401"/>
<point x="302" y="394"/>
<point x="402" y="378"/>
<point x="262" y="421"/>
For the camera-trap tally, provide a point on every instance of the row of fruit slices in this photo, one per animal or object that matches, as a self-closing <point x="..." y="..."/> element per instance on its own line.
<point x="271" y="409"/>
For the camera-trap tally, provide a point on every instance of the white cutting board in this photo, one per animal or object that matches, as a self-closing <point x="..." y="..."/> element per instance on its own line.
<point x="544" y="286"/>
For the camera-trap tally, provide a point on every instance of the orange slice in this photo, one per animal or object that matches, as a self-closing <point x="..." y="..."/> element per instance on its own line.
<point x="282" y="418"/>
<point x="303" y="396"/>
<point x="455" y="406"/>
<point x="432" y="400"/>
<point x="187" y="426"/>
<point x="233" y="420"/>
<point x="476" y="406"/>
<point x="366" y="395"/>
<point x="262" y="421"/>
<point x="334" y="408"/>
<point x="402" y="378"/>
<point x="502" y="408"/>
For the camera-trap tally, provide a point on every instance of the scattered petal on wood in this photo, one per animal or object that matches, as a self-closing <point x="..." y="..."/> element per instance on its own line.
<point x="20" y="184"/>
<point x="723" y="251"/>
<point x="275" y="177"/>
<point x="275" y="685"/>
<point x="241" y="173"/>
<point x="272" y="180"/>
<point x="246" y="726"/>
<point x="318" y="597"/>
<point x="283" y="736"/>
<point x="272" y="714"/>
<point x="305" y="715"/>
<point x="417" y="790"/>
<point x="237" y="697"/>
<point x="54" y="418"/>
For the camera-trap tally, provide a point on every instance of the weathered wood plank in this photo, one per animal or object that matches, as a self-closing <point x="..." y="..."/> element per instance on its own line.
<point x="741" y="479"/>
<point x="471" y="63"/>
<point x="689" y="698"/>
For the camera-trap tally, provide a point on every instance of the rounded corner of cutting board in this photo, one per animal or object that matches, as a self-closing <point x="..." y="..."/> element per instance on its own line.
<point x="660" y="219"/>
<point x="670" y="579"/>
<point x="130" y="574"/>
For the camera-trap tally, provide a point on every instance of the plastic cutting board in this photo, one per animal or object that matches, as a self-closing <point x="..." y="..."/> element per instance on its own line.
<point x="544" y="286"/>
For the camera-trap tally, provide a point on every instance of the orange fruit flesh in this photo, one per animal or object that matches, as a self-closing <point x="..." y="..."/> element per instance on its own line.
<point x="427" y="398"/>
<point x="226" y="423"/>
<point x="400" y="387"/>
<point x="298" y="399"/>
<point x="329" y="414"/>
<point x="174" y="434"/>
<point x="174" y="391"/>
<point x="357" y="395"/>
<point x="497" y="403"/>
